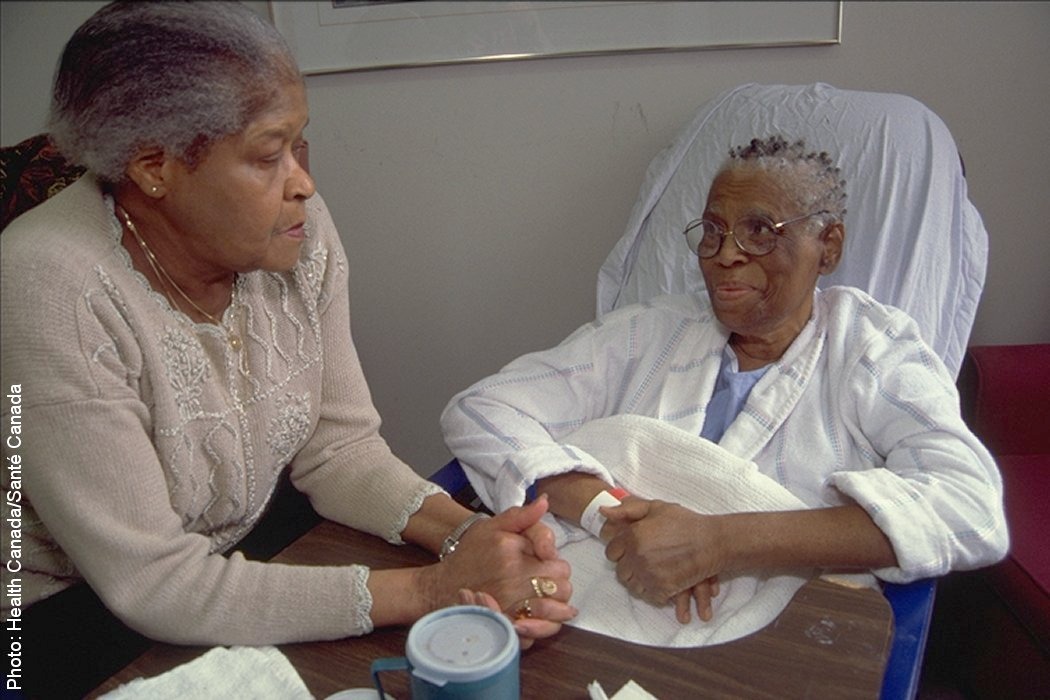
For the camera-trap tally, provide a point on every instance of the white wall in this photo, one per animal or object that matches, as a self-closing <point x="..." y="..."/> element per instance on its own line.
<point x="477" y="202"/>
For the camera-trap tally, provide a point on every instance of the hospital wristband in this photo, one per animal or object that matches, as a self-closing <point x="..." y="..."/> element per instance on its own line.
<point x="592" y="520"/>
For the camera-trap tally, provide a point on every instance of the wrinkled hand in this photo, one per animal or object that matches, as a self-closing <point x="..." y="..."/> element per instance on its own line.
<point x="540" y="536"/>
<point x="665" y="553"/>
<point x="498" y="557"/>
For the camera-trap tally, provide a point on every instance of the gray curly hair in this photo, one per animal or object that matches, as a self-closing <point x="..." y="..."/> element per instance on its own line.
<point x="815" y="180"/>
<point x="175" y="75"/>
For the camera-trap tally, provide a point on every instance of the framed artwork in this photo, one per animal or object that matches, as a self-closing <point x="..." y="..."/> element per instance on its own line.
<point x="347" y="35"/>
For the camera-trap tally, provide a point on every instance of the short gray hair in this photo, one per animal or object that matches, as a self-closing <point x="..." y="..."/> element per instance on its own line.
<point x="174" y="75"/>
<point x="814" y="179"/>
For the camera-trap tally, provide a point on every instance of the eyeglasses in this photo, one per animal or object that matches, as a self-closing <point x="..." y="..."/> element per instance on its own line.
<point x="755" y="235"/>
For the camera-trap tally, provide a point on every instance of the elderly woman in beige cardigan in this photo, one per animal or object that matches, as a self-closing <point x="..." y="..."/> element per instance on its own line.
<point x="178" y="322"/>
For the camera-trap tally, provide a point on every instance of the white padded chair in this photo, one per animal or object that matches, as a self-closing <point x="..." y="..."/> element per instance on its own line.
<point x="913" y="239"/>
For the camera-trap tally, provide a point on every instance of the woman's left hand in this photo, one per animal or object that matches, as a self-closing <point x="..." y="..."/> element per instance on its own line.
<point x="701" y="594"/>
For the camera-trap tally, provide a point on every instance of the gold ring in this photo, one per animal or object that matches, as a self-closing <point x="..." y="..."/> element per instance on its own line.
<point x="524" y="610"/>
<point x="543" y="587"/>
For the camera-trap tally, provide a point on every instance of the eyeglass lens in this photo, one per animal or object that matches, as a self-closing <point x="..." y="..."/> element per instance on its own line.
<point x="753" y="235"/>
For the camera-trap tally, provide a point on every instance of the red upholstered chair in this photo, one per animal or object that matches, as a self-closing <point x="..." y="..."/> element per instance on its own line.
<point x="992" y="627"/>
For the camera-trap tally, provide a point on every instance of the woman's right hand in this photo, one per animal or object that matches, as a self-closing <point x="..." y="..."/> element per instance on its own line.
<point x="665" y="553"/>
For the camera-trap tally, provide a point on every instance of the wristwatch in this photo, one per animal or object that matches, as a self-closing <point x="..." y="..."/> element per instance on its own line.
<point x="452" y="541"/>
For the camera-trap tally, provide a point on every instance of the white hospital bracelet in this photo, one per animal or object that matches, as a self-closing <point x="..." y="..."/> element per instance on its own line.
<point x="592" y="520"/>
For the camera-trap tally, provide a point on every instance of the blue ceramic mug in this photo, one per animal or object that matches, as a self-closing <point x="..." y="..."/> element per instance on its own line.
<point x="466" y="652"/>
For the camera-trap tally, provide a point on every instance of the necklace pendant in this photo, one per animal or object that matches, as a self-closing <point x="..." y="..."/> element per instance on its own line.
<point x="235" y="341"/>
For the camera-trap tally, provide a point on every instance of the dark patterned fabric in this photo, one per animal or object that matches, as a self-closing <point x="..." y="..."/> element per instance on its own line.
<point x="30" y="172"/>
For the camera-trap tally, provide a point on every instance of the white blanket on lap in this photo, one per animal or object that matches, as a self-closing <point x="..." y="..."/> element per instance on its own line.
<point x="653" y="459"/>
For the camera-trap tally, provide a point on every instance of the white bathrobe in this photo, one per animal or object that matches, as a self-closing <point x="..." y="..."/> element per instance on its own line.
<point x="859" y="409"/>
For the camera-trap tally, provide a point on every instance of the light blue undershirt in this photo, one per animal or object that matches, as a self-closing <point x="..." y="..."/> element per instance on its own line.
<point x="731" y="391"/>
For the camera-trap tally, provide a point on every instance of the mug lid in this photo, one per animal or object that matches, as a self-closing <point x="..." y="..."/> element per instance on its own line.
<point x="358" y="694"/>
<point x="461" y="644"/>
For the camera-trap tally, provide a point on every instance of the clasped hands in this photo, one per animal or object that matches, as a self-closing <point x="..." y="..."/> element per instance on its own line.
<point x="666" y="553"/>
<point x="510" y="563"/>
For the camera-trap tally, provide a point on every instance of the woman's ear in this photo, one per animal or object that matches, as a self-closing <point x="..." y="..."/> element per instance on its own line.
<point x="148" y="171"/>
<point x="833" y="237"/>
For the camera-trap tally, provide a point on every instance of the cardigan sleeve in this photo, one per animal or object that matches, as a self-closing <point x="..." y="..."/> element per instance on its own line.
<point x="109" y="511"/>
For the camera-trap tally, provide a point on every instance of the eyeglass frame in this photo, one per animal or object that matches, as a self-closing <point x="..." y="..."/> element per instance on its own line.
<point x="777" y="228"/>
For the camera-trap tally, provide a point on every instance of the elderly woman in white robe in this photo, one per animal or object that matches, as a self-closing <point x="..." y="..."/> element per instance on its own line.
<point x="830" y="393"/>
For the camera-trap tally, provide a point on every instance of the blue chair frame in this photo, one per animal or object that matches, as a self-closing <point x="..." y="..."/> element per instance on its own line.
<point x="912" y="606"/>
<point x="451" y="477"/>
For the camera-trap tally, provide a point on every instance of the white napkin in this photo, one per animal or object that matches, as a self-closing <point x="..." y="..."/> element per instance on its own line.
<point x="629" y="691"/>
<point x="226" y="674"/>
<point x="653" y="459"/>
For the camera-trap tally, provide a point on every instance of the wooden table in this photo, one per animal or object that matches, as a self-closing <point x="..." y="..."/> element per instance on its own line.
<point x="831" y="641"/>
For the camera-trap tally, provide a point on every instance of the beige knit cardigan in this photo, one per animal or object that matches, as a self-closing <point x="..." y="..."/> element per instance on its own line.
<point x="150" y="446"/>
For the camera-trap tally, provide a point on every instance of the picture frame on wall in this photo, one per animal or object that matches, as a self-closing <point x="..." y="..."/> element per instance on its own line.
<point x="351" y="35"/>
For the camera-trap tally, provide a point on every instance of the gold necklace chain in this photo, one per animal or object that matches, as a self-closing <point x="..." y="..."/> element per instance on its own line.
<point x="165" y="279"/>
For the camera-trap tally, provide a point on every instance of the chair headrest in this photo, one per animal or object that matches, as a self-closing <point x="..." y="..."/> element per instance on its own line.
<point x="913" y="239"/>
